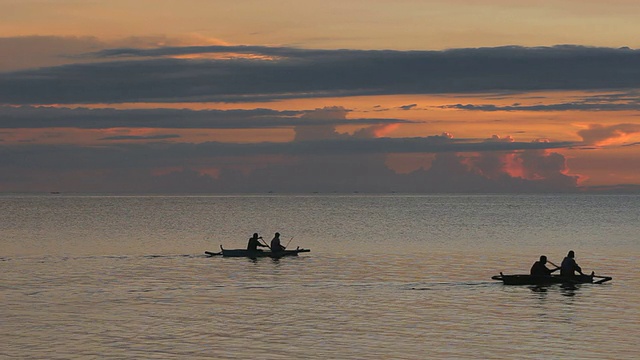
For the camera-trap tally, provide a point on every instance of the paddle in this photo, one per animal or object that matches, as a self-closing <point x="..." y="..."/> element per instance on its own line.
<point x="553" y="264"/>
<point x="265" y="243"/>
<point x="602" y="278"/>
<point x="211" y="253"/>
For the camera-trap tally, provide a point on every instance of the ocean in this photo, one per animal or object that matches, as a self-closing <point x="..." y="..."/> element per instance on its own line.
<point x="388" y="277"/>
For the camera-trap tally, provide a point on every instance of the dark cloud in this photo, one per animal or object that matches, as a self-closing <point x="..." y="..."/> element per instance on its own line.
<point x="137" y="137"/>
<point x="342" y="144"/>
<point x="139" y="75"/>
<point x="606" y="101"/>
<point x="539" y="165"/>
<point x="572" y="106"/>
<point x="84" y="118"/>
<point x="449" y="172"/>
<point x="408" y="107"/>
<point x="492" y="165"/>
<point x="266" y="51"/>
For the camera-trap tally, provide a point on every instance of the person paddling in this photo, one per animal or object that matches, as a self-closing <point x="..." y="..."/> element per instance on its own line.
<point x="254" y="243"/>
<point x="569" y="265"/>
<point x="276" y="246"/>
<point x="539" y="268"/>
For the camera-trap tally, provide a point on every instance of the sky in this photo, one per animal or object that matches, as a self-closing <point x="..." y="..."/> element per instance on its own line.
<point x="271" y="96"/>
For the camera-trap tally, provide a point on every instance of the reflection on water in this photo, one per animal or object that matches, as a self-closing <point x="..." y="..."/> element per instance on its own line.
<point x="539" y="288"/>
<point x="312" y="307"/>
<point x="564" y="289"/>
<point x="569" y="289"/>
<point x="388" y="277"/>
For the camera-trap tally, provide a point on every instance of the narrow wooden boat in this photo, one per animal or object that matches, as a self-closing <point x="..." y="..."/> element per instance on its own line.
<point x="255" y="254"/>
<point x="548" y="280"/>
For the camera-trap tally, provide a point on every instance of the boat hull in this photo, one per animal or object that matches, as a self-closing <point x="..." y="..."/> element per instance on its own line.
<point x="256" y="254"/>
<point x="548" y="280"/>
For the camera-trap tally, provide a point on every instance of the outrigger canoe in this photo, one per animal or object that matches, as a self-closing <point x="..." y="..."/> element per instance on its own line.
<point x="548" y="280"/>
<point x="255" y="254"/>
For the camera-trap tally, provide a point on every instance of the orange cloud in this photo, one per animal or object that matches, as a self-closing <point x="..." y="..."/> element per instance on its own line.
<point x="377" y="131"/>
<point x="599" y="135"/>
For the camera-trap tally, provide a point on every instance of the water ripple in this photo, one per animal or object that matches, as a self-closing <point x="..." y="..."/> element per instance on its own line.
<point x="319" y="307"/>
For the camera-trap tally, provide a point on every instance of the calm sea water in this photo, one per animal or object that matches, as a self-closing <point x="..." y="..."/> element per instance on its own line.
<point x="388" y="277"/>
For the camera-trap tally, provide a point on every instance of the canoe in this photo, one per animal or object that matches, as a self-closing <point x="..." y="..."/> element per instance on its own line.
<point x="255" y="254"/>
<point x="548" y="280"/>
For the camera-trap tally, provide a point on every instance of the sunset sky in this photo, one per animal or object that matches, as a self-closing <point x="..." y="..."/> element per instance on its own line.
<point x="207" y="96"/>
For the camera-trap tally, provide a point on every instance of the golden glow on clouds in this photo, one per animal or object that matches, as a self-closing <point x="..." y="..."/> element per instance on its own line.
<point x="383" y="131"/>
<point x="223" y="56"/>
<point x="359" y="24"/>
<point x="617" y="165"/>
<point x="428" y="113"/>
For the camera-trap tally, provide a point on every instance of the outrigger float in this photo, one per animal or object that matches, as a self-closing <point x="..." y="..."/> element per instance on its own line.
<point x="255" y="254"/>
<point x="549" y="280"/>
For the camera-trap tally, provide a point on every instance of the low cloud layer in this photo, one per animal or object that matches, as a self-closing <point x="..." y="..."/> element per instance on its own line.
<point x="628" y="100"/>
<point x="83" y="118"/>
<point x="341" y="163"/>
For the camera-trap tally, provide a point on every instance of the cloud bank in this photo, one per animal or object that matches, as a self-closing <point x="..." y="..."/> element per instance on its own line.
<point x="270" y="73"/>
<point x="337" y="163"/>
